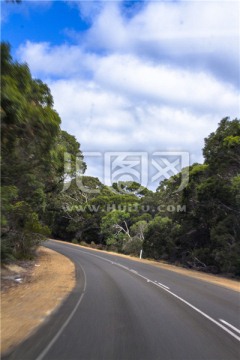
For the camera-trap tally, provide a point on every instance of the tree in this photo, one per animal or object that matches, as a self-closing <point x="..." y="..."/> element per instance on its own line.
<point x="130" y="187"/>
<point x="222" y="149"/>
<point x="33" y="148"/>
<point x="115" y="228"/>
<point x="159" y="238"/>
<point x="135" y="242"/>
<point x="29" y="127"/>
<point x="69" y="212"/>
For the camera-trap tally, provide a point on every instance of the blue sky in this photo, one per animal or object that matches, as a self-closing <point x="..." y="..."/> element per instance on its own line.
<point x="132" y="76"/>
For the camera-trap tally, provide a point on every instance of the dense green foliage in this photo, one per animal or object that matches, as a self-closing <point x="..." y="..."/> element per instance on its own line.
<point x="198" y="227"/>
<point x="32" y="156"/>
<point x="45" y="192"/>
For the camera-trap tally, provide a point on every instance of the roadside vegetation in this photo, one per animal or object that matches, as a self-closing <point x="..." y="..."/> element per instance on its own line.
<point x="197" y="227"/>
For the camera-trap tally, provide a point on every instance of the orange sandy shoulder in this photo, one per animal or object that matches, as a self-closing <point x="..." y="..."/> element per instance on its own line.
<point x="25" y="306"/>
<point x="213" y="279"/>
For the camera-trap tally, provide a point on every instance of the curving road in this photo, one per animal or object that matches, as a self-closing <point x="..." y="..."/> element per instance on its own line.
<point x="124" y="309"/>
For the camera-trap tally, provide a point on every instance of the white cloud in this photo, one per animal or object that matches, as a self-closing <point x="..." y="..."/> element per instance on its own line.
<point x="129" y="103"/>
<point x="63" y="60"/>
<point x="146" y="81"/>
<point x="132" y="78"/>
<point x="140" y="94"/>
<point x="191" y="33"/>
<point x="105" y="120"/>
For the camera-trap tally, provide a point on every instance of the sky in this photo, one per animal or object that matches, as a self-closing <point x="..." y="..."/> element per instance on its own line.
<point x="140" y="84"/>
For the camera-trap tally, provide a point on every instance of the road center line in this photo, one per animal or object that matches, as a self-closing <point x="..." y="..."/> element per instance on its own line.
<point x="230" y="325"/>
<point x="164" y="287"/>
<point x="200" y="312"/>
<point x="134" y="271"/>
<point x="122" y="266"/>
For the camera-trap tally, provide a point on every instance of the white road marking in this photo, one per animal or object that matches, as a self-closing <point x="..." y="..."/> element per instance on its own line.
<point x="134" y="271"/>
<point x="122" y="266"/>
<point x="230" y="325"/>
<point x="54" y="339"/>
<point x="157" y="282"/>
<point x="163" y="287"/>
<point x="203" y="314"/>
<point x="179" y="298"/>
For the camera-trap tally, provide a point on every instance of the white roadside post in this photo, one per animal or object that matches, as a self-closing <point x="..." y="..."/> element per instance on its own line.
<point x="140" y="254"/>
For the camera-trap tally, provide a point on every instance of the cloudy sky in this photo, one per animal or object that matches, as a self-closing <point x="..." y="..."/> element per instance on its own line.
<point x="142" y="76"/>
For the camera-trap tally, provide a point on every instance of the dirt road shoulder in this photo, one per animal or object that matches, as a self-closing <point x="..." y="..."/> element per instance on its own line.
<point x="25" y="306"/>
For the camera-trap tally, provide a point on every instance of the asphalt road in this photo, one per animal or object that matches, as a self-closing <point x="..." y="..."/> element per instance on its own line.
<point x="123" y="309"/>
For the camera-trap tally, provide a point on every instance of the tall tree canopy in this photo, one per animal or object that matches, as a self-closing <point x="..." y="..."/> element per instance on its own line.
<point x="32" y="158"/>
